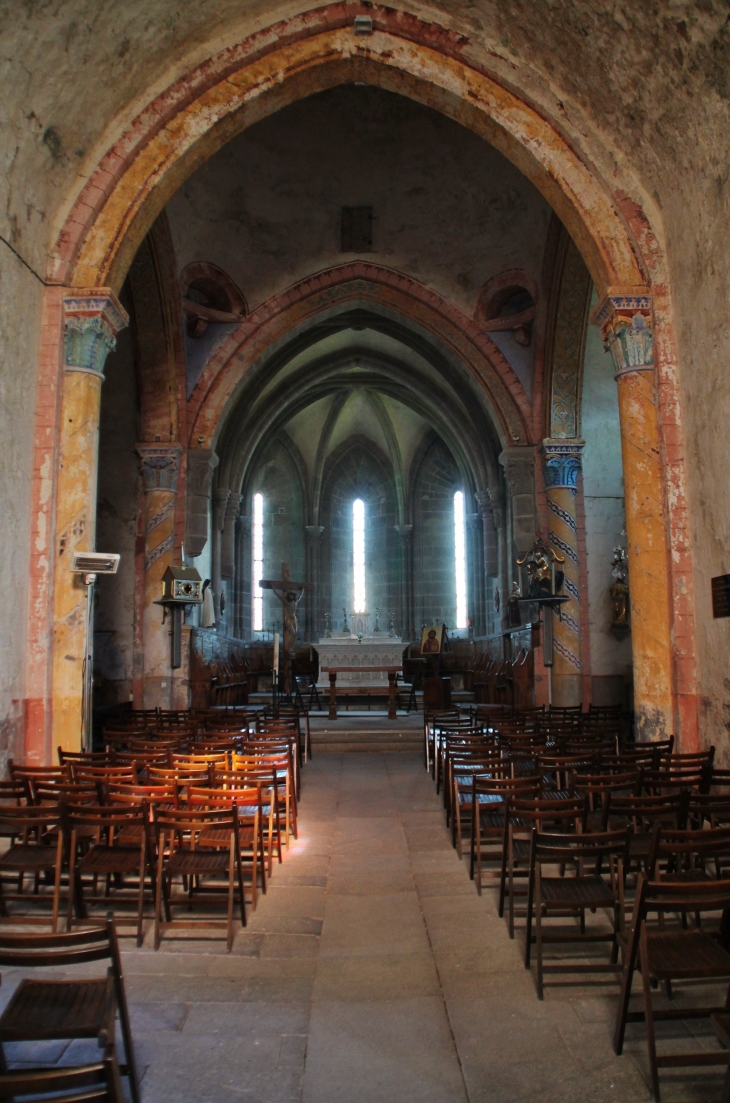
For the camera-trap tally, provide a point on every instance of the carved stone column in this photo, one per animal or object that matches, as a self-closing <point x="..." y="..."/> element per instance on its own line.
<point x="626" y="327"/>
<point x="562" y="464"/>
<point x="405" y="538"/>
<point x="92" y="319"/>
<point x="489" y="510"/>
<point x="496" y="504"/>
<point x="476" y="573"/>
<point x="220" y="504"/>
<point x="242" y="582"/>
<point x="228" y="560"/>
<point x="312" y="612"/>
<point x="201" y="465"/>
<point x="160" y="467"/>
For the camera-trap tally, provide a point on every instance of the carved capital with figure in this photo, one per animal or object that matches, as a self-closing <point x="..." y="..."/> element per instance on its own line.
<point x="160" y="466"/>
<point x="625" y="322"/>
<point x="92" y="319"/>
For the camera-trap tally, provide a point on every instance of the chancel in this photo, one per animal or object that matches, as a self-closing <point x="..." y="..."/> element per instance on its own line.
<point x="383" y="350"/>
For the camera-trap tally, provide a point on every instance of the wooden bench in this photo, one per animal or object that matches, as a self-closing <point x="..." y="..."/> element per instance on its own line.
<point x="351" y="691"/>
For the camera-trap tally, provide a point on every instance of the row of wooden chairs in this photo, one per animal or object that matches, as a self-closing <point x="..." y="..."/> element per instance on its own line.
<point x="629" y="848"/>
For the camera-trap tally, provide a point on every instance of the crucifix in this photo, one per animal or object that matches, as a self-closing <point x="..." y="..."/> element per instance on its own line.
<point x="289" y="594"/>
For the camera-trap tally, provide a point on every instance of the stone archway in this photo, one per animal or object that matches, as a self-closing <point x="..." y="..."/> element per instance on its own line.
<point x="183" y="126"/>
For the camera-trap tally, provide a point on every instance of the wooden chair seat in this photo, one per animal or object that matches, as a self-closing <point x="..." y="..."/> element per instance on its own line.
<point x="686" y="955"/>
<point x="28" y="858"/>
<point x="201" y="862"/>
<point x="118" y="859"/>
<point x="46" y="1009"/>
<point x="578" y="892"/>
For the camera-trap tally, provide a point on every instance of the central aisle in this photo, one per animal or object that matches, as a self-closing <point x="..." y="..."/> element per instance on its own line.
<point x="372" y="973"/>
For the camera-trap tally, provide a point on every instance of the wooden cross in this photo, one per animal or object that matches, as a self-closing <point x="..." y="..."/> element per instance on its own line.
<point x="284" y="583"/>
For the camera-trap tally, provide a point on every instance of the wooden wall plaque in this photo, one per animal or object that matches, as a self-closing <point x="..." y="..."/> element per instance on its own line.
<point x="721" y="595"/>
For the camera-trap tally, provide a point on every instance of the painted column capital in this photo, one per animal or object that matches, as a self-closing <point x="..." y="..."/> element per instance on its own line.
<point x="625" y="322"/>
<point x="92" y="318"/>
<point x="314" y="534"/>
<point x="562" y="461"/>
<point x="160" y="466"/>
<point x="519" y="469"/>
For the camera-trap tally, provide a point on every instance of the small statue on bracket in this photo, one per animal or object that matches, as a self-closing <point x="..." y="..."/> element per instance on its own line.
<point x="620" y="626"/>
<point x="345" y="625"/>
<point x="327" y="628"/>
<point x="543" y="580"/>
<point x="391" y="625"/>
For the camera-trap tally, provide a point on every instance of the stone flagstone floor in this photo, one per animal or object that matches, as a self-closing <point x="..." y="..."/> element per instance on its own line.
<point x="373" y="973"/>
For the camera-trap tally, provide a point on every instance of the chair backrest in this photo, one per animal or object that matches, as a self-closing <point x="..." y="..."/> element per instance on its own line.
<point x="245" y="798"/>
<point x="596" y="845"/>
<point x="19" y="772"/>
<point x="191" y="823"/>
<point x="539" y="812"/>
<point x="678" y="896"/>
<point x="90" y="758"/>
<point x="29" y="819"/>
<point x="644" y="811"/>
<point x="27" y="951"/>
<point x="109" y="818"/>
<point x="689" y="849"/>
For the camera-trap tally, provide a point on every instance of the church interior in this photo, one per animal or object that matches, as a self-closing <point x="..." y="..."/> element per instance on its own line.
<point x="364" y="704"/>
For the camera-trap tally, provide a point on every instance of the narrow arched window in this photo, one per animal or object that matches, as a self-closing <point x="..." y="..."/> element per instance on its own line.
<point x="257" y="621"/>
<point x="358" y="556"/>
<point x="460" y="559"/>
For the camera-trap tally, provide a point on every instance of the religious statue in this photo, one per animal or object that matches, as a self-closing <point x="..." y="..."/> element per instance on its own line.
<point x="345" y="625"/>
<point x="391" y="625"/>
<point x="620" y="627"/>
<point x="377" y="620"/>
<point x="289" y="594"/>
<point x="542" y="578"/>
<point x="327" y="628"/>
<point x="514" y="616"/>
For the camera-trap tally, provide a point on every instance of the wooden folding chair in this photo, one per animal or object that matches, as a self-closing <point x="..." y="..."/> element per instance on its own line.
<point x="37" y="851"/>
<point x="572" y="896"/>
<point x="50" y="1010"/>
<point x="489" y="797"/>
<point x="181" y="852"/>
<point x="249" y="807"/>
<point x="562" y="815"/>
<point x="670" y="953"/>
<point x="120" y="849"/>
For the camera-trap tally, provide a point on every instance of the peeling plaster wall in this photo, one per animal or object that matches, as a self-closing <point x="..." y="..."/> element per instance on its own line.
<point x="643" y="89"/>
<point x="116" y="527"/>
<point x="447" y="208"/>
<point x="603" y="494"/>
<point x="19" y="341"/>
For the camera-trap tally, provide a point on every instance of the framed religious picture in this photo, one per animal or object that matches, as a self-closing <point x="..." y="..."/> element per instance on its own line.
<point x="432" y="640"/>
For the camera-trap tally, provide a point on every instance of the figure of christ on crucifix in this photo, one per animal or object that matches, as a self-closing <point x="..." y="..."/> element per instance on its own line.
<point x="289" y="594"/>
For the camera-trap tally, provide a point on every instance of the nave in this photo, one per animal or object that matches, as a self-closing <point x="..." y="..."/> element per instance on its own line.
<point x="372" y="971"/>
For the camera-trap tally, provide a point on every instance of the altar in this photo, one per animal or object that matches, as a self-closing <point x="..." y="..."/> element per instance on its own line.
<point x="343" y="649"/>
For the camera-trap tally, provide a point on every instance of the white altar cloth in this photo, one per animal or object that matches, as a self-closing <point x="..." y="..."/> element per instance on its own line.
<point x="345" y="650"/>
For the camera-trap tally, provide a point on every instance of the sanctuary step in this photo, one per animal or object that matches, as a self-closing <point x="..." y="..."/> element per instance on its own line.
<point x="360" y="732"/>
